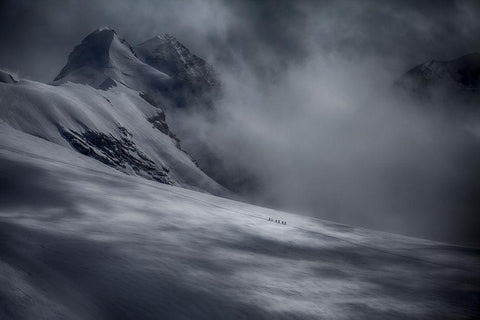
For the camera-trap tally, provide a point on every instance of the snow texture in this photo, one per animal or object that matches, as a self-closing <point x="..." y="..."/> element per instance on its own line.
<point x="80" y="240"/>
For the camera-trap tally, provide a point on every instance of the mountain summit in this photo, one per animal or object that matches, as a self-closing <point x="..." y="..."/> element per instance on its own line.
<point x="103" y="56"/>
<point x="193" y="78"/>
<point x="161" y="67"/>
<point x="460" y="74"/>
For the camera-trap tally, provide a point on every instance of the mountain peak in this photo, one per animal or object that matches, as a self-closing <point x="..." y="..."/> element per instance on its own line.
<point x="104" y="29"/>
<point x="462" y="73"/>
<point x="194" y="79"/>
<point x="164" y="37"/>
<point x="100" y="55"/>
<point x="93" y="51"/>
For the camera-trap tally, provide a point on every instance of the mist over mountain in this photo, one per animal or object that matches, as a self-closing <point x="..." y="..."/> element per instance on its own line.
<point x="128" y="131"/>
<point x="160" y="67"/>
<point x="453" y="84"/>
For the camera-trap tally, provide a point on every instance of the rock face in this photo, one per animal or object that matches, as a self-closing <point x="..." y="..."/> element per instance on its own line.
<point x="194" y="81"/>
<point x="159" y="122"/>
<point x="120" y="153"/>
<point x="440" y="80"/>
<point x="107" y="84"/>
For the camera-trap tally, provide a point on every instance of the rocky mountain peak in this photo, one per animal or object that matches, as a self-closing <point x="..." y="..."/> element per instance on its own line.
<point x="462" y="73"/>
<point x="162" y="67"/>
<point x="192" y="75"/>
<point x="92" y="51"/>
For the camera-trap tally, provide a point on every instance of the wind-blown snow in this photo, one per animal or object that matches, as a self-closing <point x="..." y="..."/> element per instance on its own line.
<point x="84" y="241"/>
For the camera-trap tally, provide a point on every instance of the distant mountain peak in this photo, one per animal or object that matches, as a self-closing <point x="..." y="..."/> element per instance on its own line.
<point x="444" y="84"/>
<point x="461" y="73"/>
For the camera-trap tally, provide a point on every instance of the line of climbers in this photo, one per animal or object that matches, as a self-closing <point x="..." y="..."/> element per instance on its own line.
<point x="277" y="221"/>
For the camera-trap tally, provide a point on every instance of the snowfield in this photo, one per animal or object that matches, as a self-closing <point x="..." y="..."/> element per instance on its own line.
<point x="81" y="240"/>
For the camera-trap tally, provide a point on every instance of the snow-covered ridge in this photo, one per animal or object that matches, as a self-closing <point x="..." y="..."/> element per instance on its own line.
<point x="108" y="105"/>
<point x="103" y="55"/>
<point x="161" y="67"/>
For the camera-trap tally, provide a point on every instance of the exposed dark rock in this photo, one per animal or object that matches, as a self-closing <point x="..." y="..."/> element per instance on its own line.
<point x="124" y="131"/>
<point x="6" y="77"/>
<point x="148" y="98"/>
<point x="194" y="80"/>
<point x="119" y="153"/>
<point x="107" y="84"/>
<point x="159" y="123"/>
<point x="434" y="78"/>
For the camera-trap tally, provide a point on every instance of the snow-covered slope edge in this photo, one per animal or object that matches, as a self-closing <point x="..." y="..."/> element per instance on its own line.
<point x="80" y="240"/>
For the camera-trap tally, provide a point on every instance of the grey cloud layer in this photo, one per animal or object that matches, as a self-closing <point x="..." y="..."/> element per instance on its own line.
<point x="261" y="33"/>
<point x="307" y="108"/>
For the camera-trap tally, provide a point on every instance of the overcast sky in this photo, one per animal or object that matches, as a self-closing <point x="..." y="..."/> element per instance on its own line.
<point x="262" y="33"/>
<point x="307" y="107"/>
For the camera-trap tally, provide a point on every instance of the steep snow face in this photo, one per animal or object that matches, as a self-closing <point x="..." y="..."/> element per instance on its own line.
<point x="194" y="80"/>
<point x="103" y="56"/>
<point x="79" y="240"/>
<point x="117" y="127"/>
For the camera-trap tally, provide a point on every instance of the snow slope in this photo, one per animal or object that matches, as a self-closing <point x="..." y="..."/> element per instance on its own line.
<point x="116" y="126"/>
<point x="109" y="105"/>
<point x="80" y="240"/>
